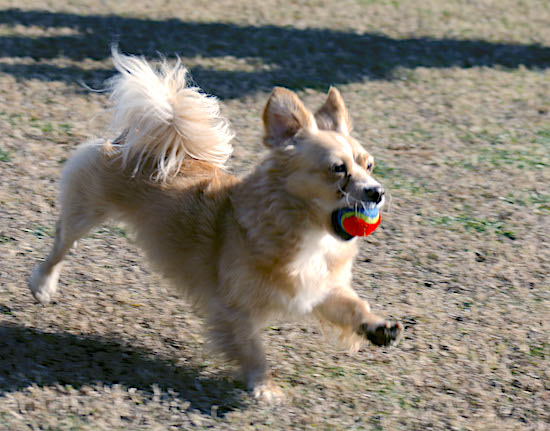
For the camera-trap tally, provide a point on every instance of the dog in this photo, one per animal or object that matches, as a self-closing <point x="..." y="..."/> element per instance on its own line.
<point x="240" y="249"/>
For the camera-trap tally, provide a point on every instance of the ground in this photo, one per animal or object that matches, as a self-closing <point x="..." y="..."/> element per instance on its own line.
<point x="452" y="99"/>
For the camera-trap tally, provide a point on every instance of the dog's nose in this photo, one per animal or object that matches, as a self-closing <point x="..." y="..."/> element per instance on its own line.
<point x="374" y="194"/>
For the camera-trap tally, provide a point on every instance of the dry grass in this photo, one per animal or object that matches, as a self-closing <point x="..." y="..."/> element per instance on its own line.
<point x="451" y="98"/>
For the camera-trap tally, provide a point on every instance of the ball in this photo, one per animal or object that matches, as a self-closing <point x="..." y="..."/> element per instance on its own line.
<point x="352" y="222"/>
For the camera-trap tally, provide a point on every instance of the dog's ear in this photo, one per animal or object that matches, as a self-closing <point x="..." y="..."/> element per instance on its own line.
<point x="284" y="115"/>
<point x="333" y="115"/>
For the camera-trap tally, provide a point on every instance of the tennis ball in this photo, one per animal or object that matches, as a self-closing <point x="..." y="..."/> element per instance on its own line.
<point x="351" y="222"/>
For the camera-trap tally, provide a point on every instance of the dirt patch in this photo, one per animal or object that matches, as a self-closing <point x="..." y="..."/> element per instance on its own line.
<point x="452" y="100"/>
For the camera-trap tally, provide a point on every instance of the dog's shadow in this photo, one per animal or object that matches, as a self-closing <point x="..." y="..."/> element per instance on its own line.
<point x="30" y="356"/>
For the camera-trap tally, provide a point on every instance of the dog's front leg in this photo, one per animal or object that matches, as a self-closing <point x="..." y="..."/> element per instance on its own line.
<point x="343" y="308"/>
<point x="237" y="335"/>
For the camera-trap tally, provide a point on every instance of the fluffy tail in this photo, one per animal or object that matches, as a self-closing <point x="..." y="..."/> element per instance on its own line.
<point x="162" y="120"/>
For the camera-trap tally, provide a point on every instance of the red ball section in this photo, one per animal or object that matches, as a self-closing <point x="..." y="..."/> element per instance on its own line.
<point x="356" y="226"/>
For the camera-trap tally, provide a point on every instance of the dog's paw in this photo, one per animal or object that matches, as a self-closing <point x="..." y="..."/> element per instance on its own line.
<point x="382" y="333"/>
<point x="268" y="392"/>
<point x="43" y="286"/>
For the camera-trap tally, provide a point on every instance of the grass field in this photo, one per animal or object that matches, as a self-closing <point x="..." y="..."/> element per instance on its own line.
<point x="453" y="100"/>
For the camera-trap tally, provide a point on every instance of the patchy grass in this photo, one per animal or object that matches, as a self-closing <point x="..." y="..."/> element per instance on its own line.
<point x="4" y="239"/>
<point x="506" y="149"/>
<point x="110" y="231"/>
<point x="40" y="231"/>
<point x="4" y="156"/>
<point x="471" y="224"/>
<point x="532" y="200"/>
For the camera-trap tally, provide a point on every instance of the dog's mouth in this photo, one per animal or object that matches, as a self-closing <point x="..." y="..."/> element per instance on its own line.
<point x="338" y="228"/>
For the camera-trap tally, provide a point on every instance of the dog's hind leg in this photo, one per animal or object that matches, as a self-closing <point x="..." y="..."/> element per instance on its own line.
<point x="71" y="226"/>
<point x="80" y="212"/>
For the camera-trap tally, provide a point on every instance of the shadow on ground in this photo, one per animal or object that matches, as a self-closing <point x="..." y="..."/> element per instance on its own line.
<point x="308" y="58"/>
<point x="30" y="356"/>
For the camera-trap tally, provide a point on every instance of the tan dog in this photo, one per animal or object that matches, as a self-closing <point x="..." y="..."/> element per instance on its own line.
<point x="243" y="249"/>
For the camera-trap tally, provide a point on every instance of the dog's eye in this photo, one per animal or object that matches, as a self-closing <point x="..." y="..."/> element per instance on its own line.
<point x="370" y="166"/>
<point x="339" y="169"/>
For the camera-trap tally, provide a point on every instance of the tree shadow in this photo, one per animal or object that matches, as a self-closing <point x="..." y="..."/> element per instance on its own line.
<point x="30" y="356"/>
<point x="295" y="58"/>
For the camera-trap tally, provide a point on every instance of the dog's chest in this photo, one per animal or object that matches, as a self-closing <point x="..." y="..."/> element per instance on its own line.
<point x="316" y="269"/>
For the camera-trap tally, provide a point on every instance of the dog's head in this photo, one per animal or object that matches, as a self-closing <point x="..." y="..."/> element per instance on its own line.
<point x="322" y="164"/>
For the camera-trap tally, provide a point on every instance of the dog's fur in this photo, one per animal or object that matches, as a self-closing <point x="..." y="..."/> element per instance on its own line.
<point x="240" y="249"/>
